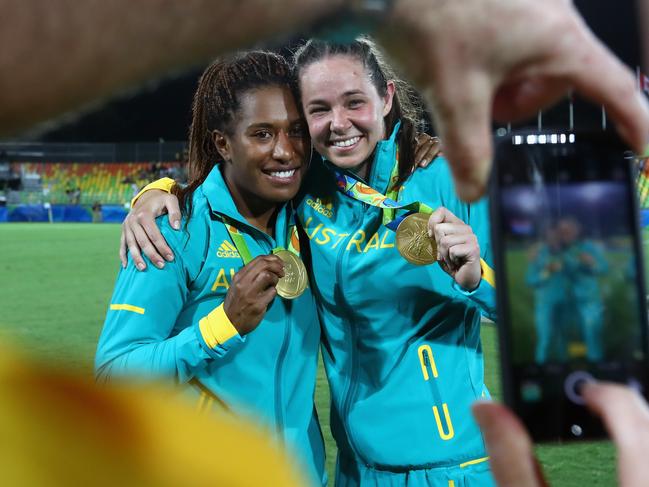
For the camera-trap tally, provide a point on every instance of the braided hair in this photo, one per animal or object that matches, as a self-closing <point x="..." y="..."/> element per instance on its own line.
<point x="406" y="104"/>
<point x="215" y="106"/>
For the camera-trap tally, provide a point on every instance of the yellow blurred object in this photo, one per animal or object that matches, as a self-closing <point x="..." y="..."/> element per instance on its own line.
<point x="59" y="429"/>
<point x="577" y="349"/>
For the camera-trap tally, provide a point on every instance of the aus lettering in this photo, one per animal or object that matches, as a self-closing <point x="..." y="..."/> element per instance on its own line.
<point x="222" y="281"/>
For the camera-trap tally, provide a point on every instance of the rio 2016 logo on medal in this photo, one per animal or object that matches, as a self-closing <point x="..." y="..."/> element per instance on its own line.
<point x="295" y="278"/>
<point x="413" y="242"/>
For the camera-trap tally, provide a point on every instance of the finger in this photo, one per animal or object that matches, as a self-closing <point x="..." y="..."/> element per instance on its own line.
<point x="439" y="216"/>
<point x="267" y="297"/>
<point x="463" y="253"/>
<point x="265" y="279"/>
<point x="522" y="99"/>
<point x="122" y="249"/>
<point x="152" y="240"/>
<point x="425" y="143"/>
<point x="272" y="263"/>
<point x="455" y="243"/>
<point x="605" y="80"/>
<point x="143" y="244"/>
<point x="133" y="248"/>
<point x="509" y="447"/>
<point x="173" y="210"/>
<point x="626" y="417"/>
<point x="462" y="113"/>
<point x="436" y="217"/>
<point x="429" y="152"/>
<point x="442" y="230"/>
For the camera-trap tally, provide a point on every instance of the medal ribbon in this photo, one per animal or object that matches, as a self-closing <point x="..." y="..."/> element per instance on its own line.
<point x="292" y="242"/>
<point x="360" y="191"/>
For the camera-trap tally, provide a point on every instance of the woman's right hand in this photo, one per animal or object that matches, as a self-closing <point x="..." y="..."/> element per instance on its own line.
<point x="251" y="291"/>
<point x="141" y="234"/>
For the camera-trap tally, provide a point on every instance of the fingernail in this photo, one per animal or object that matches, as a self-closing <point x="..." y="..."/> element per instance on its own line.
<point x="141" y="266"/>
<point x="430" y="233"/>
<point x="159" y="264"/>
<point x="176" y="224"/>
<point x="169" y="257"/>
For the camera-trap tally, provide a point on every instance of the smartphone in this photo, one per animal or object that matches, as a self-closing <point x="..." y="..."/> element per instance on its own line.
<point x="571" y="296"/>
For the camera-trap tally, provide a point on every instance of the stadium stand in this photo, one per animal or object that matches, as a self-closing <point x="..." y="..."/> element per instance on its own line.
<point x="87" y="183"/>
<point x="78" y="192"/>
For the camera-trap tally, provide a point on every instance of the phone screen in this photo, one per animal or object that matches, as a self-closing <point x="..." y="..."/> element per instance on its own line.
<point x="569" y="274"/>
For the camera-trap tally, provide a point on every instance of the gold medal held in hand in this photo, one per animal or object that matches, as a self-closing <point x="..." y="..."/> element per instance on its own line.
<point x="413" y="242"/>
<point x="295" y="279"/>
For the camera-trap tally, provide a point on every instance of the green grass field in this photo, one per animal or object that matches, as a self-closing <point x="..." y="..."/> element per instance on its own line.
<point x="55" y="284"/>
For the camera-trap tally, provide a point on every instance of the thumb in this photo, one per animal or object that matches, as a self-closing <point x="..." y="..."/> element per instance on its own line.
<point x="462" y="114"/>
<point x="509" y="447"/>
<point x="626" y="416"/>
<point x="437" y="216"/>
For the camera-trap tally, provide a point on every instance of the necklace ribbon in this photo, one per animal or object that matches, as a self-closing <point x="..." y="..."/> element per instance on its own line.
<point x="295" y="279"/>
<point x="360" y="191"/>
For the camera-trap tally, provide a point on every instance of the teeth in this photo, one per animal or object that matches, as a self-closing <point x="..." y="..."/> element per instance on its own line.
<point x="346" y="143"/>
<point x="283" y="174"/>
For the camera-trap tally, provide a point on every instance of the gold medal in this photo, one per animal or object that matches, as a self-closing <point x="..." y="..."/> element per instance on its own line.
<point x="295" y="279"/>
<point x="413" y="242"/>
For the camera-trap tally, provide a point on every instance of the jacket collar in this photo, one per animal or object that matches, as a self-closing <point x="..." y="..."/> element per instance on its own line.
<point x="221" y="204"/>
<point x="385" y="157"/>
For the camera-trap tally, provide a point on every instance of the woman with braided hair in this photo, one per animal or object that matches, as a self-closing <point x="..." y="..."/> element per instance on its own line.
<point x="211" y="319"/>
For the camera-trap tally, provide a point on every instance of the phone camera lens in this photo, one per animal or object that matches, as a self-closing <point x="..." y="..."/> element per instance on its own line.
<point x="576" y="430"/>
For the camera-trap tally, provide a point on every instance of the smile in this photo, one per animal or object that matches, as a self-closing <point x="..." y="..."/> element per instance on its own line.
<point x="346" y="142"/>
<point x="283" y="174"/>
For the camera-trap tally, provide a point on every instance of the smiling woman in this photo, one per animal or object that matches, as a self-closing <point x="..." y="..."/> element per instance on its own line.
<point x="263" y="153"/>
<point x="210" y="320"/>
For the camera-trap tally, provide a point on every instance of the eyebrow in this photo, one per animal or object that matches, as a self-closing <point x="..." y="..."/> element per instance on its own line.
<point x="319" y="101"/>
<point x="260" y="125"/>
<point x="266" y="125"/>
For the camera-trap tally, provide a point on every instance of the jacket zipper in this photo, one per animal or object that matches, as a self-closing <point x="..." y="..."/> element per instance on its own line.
<point x="351" y="386"/>
<point x="279" y="408"/>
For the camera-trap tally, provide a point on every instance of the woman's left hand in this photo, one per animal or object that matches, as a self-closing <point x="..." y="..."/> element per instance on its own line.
<point x="458" y="251"/>
<point x="426" y="150"/>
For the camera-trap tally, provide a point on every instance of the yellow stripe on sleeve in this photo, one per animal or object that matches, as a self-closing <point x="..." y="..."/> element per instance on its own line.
<point x="127" y="307"/>
<point x="488" y="273"/>
<point x="165" y="184"/>
<point x="216" y="328"/>
<point x="473" y="462"/>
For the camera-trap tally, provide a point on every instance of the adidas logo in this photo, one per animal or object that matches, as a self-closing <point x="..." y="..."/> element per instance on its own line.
<point x="226" y="249"/>
<point x="324" y="208"/>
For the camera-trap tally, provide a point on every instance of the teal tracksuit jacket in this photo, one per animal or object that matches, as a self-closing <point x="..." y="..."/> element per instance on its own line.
<point x="401" y="343"/>
<point x="170" y="322"/>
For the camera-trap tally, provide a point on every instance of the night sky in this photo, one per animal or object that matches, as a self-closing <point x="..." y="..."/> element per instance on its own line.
<point x="162" y="109"/>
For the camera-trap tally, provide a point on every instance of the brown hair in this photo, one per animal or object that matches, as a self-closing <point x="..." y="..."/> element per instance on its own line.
<point x="406" y="105"/>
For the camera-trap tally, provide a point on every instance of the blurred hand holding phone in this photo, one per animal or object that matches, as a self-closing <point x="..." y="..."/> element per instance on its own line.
<point x="571" y="298"/>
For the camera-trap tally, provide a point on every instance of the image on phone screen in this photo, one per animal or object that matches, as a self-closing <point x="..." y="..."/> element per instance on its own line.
<point x="572" y="303"/>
